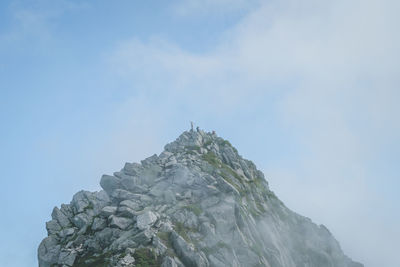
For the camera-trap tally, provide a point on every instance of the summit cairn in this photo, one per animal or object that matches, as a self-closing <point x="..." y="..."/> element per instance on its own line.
<point x="198" y="203"/>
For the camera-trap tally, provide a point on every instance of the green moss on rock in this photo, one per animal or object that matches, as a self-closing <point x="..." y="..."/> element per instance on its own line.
<point x="145" y="257"/>
<point x="194" y="208"/>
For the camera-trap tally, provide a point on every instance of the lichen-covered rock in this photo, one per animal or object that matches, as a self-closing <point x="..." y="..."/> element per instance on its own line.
<point x="198" y="203"/>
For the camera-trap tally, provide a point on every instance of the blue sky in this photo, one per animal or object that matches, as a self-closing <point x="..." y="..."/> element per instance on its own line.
<point x="309" y="91"/>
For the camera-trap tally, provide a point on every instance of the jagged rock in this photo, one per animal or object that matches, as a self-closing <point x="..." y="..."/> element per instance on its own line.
<point x="124" y="241"/>
<point x="159" y="246"/>
<point x="132" y="169"/>
<point x="134" y="205"/>
<point x="121" y="194"/>
<point x="198" y="203"/>
<point x="81" y="220"/>
<point x="129" y="182"/>
<point x="120" y="222"/>
<point x="99" y="224"/>
<point x="145" y="220"/>
<point x="108" y="210"/>
<point x="66" y="232"/>
<point x="53" y="227"/>
<point x="148" y="162"/>
<point x="168" y="262"/>
<point x="126" y="212"/>
<point x="187" y="252"/>
<point x="143" y="237"/>
<point x="67" y="210"/>
<point x="107" y="235"/>
<point x="67" y="258"/>
<point x="48" y="252"/>
<point x="169" y="196"/>
<point x="80" y="201"/>
<point x="110" y="183"/>
<point x="60" y="217"/>
<point x="128" y="260"/>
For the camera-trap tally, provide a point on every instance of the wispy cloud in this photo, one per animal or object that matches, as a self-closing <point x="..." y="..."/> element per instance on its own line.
<point x="335" y="67"/>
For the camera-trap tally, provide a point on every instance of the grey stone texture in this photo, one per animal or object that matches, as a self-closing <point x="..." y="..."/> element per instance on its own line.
<point x="198" y="203"/>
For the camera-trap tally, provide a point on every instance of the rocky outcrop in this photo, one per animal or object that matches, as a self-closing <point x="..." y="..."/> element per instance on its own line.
<point x="198" y="203"/>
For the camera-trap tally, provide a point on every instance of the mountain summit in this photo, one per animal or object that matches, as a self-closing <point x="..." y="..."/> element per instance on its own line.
<point x="198" y="203"/>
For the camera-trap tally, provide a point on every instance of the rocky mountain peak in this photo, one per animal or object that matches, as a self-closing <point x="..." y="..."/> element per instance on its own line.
<point x="200" y="143"/>
<point x="198" y="203"/>
<point x="205" y="146"/>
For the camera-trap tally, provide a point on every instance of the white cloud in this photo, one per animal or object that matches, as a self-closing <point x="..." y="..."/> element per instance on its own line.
<point x="335" y="66"/>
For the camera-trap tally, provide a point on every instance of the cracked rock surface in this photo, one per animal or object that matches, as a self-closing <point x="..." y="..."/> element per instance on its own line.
<point x="198" y="203"/>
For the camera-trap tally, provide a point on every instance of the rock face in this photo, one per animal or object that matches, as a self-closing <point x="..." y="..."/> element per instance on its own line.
<point x="198" y="203"/>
